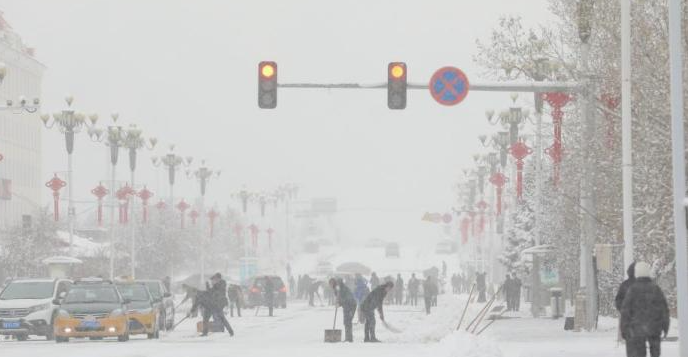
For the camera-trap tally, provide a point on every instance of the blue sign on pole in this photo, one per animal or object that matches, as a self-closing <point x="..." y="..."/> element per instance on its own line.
<point x="449" y="86"/>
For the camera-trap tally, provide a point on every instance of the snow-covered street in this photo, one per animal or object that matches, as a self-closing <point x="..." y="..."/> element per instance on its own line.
<point x="298" y="331"/>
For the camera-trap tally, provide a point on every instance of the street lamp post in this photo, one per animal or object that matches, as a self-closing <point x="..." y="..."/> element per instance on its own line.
<point x="172" y="162"/>
<point x="203" y="175"/>
<point x="70" y="123"/>
<point x="133" y="141"/>
<point x="113" y="140"/>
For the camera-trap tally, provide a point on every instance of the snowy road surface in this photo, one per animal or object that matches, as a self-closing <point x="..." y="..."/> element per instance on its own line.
<point x="298" y="331"/>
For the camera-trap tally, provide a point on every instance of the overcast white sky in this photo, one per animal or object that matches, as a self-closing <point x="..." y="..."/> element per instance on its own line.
<point x="185" y="71"/>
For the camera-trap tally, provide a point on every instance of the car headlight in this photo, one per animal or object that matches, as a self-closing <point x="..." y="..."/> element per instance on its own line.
<point x="116" y="313"/>
<point x="41" y="307"/>
<point x="63" y="313"/>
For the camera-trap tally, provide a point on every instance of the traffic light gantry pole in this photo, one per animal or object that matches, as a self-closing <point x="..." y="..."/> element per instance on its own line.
<point x="533" y="87"/>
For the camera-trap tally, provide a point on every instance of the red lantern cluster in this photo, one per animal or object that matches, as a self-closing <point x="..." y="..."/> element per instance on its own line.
<point x="123" y="195"/>
<point x="182" y="206"/>
<point x="56" y="184"/>
<point x="557" y="100"/>
<point x="519" y="150"/>
<point x="145" y="195"/>
<point x="498" y="180"/>
<point x="100" y="192"/>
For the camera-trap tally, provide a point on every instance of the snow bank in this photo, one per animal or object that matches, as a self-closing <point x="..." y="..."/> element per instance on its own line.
<point x="462" y="344"/>
<point x="83" y="247"/>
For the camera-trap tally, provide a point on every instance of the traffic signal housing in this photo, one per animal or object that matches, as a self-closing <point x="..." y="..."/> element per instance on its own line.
<point x="267" y="85"/>
<point x="396" y="85"/>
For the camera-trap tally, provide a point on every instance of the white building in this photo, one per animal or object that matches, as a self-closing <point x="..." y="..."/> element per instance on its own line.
<point x="21" y="180"/>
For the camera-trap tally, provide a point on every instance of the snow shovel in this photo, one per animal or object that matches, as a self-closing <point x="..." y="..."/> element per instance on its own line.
<point x="470" y="295"/>
<point x="390" y="327"/>
<point x="334" y="335"/>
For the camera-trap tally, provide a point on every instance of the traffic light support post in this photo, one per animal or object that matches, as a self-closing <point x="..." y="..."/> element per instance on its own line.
<point x="535" y="87"/>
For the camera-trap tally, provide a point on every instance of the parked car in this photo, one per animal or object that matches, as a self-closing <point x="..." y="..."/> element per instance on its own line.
<point x="392" y="250"/>
<point x="27" y="306"/>
<point x="164" y="301"/>
<point x="93" y="309"/>
<point x="142" y="314"/>
<point x="256" y="297"/>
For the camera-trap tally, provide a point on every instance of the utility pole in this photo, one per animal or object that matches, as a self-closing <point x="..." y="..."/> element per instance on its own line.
<point x="626" y="132"/>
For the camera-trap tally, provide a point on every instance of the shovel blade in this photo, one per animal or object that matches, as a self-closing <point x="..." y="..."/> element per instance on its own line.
<point x="333" y="336"/>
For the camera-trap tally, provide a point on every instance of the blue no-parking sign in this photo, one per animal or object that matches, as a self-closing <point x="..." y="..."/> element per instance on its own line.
<point x="449" y="86"/>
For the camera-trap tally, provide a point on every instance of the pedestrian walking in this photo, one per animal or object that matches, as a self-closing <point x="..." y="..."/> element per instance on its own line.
<point x="623" y="289"/>
<point x="429" y="293"/>
<point x="374" y="281"/>
<point x="413" y="288"/>
<point x="372" y="302"/>
<point x="269" y="294"/>
<point x="507" y="290"/>
<point x="345" y="299"/>
<point x="361" y="291"/>
<point x="644" y="315"/>
<point x="236" y="299"/>
<point x="516" y="292"/>
<point x="313" y="291"/>
<point x="399" y="290"/>
<point x="209" y="303"/>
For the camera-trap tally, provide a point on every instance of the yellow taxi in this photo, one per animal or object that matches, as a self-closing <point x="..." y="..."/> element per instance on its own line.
<point x="93" y="309"/>
<point x="142" y="314"/>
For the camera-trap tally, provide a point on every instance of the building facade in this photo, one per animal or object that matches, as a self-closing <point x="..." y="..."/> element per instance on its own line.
<point x="21" y="181"/>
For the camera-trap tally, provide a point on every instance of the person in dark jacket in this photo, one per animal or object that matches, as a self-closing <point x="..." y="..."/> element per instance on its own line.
<point x="372" y="302"/>
<point x="191" y="294"/>
<point x="269" y="294"/>
<point x="413" y="288"/>
<point x="206" y="301"/>
<point x="218" y="290"/>
<point x="644" y="315"/>
<point x="516" y="292"/>
<point x="313" y="288"/>
<point x="507" y="289"/>
<point x="374" y="281"/>
<point x="236" y="299"/>
<point x="345" y="299"/>
<point x="292" y="286"/>
<point x="621" y="294"/>
<point x="399" y="290"/>
<point x="481" y="286"/>
<point x="429" y="293"/>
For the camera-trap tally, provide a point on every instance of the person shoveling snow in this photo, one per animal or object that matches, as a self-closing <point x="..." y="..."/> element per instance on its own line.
<point x="374" y="301"/>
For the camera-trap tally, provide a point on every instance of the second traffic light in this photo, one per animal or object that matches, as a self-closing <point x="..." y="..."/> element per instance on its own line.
<point x="396" y="85"/>
<point x="267" y="85"/>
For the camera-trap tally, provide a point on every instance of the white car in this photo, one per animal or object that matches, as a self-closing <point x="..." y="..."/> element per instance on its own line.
<point x="27" y="306"/>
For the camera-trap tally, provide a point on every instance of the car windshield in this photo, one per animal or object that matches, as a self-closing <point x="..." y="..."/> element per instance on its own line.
<point x="28" y="290"/>
<point x="92" y="294"/>
<point x="154" y="289"/>
<point x="133" y="292"/>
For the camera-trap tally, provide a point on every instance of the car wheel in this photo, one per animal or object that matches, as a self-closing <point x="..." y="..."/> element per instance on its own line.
<point x="123" y="338"/>
<point x="59" y="339"/>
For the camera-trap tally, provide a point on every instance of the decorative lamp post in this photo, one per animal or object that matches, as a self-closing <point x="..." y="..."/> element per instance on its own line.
<point x="270" y="232"/>
<point x="254" y="236"/>
<point x="171" y="163"/>
<point x="56" y="184"/>
<point x="519" y="151"/>
<point x="145" y="194"/>
<point x="498" y="180"/>
<point x="100" y="192"/>
<point x="182" y="206"/>
<point x="70" y="122"/>
<point x="123" y="195"/>
<point x="556" y="100"/>
<point x="203" y="174"/>
<point x="132" y="140"/>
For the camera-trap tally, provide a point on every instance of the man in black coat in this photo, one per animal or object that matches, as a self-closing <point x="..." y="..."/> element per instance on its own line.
<point x="372" y="302"/>
<point x="399" y="290"/>
<point x="207" y="301"/>
<point x="516" y="292"/>
<point x="644" y="315"/>
<point x="269" y="293"/>
<point x="507" y="289"/>
<point x="481" y="286"/>
<point x="429" y="293"/>
<point x="218" y="291"/>
<point x="346" y="300"/>
<point x="413" y="287"/>
<point x="623" y="289"/>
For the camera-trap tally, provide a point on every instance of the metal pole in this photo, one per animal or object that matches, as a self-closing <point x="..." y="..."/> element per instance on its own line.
<point x="70" y="209"/>
<point x="287" y="231"/>
<point x="112" y="222"/>
<point x="202" y="238"/>
<point x="678" y="156"/>
<point x="626" y="132"/>
<point x="133" y="227"/>
<point x="536" y="304"/>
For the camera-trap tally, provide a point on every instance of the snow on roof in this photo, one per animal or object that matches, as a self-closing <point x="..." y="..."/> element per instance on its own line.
<point x="83" y="247"/>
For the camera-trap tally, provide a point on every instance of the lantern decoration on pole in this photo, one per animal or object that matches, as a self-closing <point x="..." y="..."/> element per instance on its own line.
<point x="556" y="100"/>
<point x="56" y="184"/>
<point x="161" y="206"/>
<point x="123" y="195"/>
<point x="182" y="206"/>
<point x="519" y="150"/>
<point x="145" y="195"/>
<point x="482" y="206"/>
<point x="254" y="235"/>
<point x="194" y="216"/>
<point x="498" y="180"/>
<point x="612" y="102"/>
<point x="270" y="232"/>
<point x="100" y="192"/>
<point x="465" y="226"/>
<point x="212" y="215"/>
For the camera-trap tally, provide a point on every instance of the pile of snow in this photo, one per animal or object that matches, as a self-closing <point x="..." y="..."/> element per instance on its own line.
<point x="83" y="247"/>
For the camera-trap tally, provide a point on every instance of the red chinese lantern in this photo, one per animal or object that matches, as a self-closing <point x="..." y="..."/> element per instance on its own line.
<point x="56" y="184"/>
<point x="182" y="206"/>
<point x="161" y="206"/>
<point x="212" y="215"/>
<point x="123" y="195"/>
<point x="145" y="195"/>
<point x="100" y="192"/>
<point x="557" y="100"/>
<point x="498" y="180"/>
<point x="519" y="150"/>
